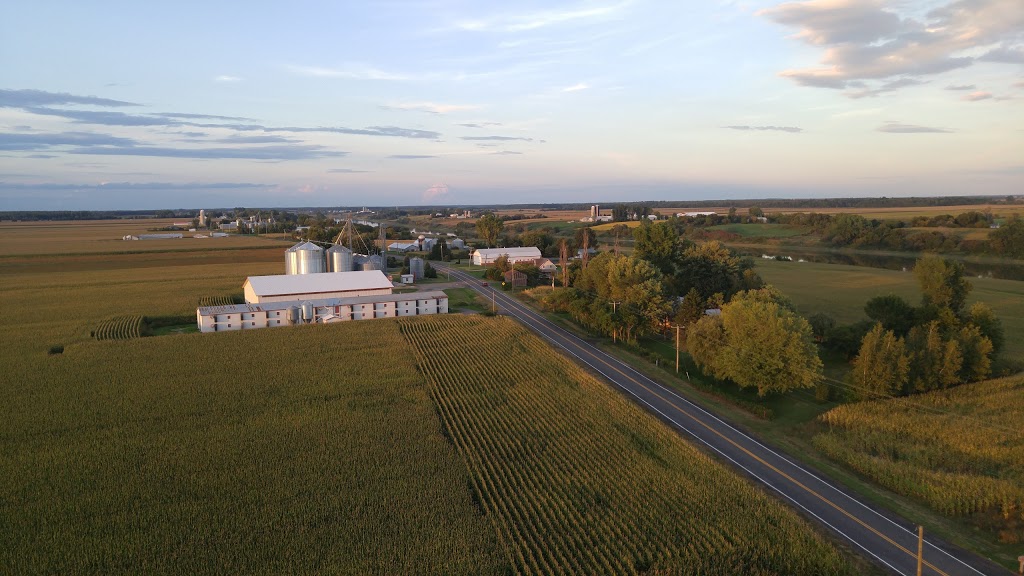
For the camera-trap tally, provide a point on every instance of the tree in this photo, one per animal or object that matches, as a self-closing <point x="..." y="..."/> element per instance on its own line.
<point x="764" y="346"/>
<point x="893" y="312"/>
<point x="755" y="212"/>
<point x="934" y="363"/>
<point x="489" y="227"/>
<point x="1008" y="239"/>
<point x="585" y="235"/>
<point x="982" y="316"/>
<point x="658" y="244"/>
<point x="709" y="267"/>
<point x="691" y="309"/>
<point x="976" y="353"/>
<point x="882" y="367"/>
<point x="440" y="251"/>
<point x="942" y="283"/>
<point x="821" y="325"/>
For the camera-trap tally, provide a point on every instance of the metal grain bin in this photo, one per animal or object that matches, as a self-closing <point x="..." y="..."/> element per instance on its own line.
<point x="309" y="259"/>
<point x="339" y="259"/>
<point x="416" y="268"/>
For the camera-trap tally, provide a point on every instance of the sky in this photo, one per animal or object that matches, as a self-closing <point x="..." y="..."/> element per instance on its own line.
<point x="146" y="105"/>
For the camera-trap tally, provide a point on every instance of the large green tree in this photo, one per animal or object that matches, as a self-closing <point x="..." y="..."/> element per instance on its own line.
<point x="659" y="244"/>
<point x="934" y="361"/>
<point x="1008" y="240"/>
<point x="882" y="367"/>
<point x="893" y="312"/>
<point x="489" y="227"/>
<point x="712" y="268"/>
<point x="760" y="344"/>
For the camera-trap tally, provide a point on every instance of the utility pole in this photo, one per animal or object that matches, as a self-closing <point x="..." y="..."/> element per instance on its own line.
<point x="920" y="549"/>
<point x="677" y="348"/>
<point x="493" y="311"/>
<point x="615" y="331"/>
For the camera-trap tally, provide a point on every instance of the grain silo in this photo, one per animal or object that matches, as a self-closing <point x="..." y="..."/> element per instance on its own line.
<point x="416" y="268"/>
<point x="339" y="259"/>
<point x="309" y="259"/>
<point x="457" y="244"/>
<point x="291" y="259"/>
<point x="374" y="262"/>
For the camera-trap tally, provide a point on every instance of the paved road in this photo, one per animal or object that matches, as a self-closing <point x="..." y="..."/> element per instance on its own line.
<point x="884" y="538"/>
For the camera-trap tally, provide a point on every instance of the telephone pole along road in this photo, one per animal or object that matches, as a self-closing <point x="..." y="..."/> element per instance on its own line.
<point x="888" y="540"/>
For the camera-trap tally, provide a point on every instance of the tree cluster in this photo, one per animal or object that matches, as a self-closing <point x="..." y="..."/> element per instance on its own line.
<point x="939" y="344"/>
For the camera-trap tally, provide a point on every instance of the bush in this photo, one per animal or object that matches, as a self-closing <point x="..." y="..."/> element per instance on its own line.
<point x="56" y="349"/>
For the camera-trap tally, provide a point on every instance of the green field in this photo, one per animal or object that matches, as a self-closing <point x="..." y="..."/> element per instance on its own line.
<point x="959" y="451"/>
<point x="336" y="449"/>
<point x="762" y="230"/>
<point x="841" y="291"/>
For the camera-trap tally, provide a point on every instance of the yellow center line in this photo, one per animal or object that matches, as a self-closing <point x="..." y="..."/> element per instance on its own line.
<point x="811" y="491"/>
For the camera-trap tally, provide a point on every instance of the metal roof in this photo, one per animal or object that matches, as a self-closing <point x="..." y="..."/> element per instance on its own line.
<point x="527" y="252"/>
<point x="318" y="283"/>
<point x="273" y="306"/>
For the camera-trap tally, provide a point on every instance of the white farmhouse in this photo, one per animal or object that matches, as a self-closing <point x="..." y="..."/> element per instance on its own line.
<point x="296" y="287"/>
<point x="486" y="256"/>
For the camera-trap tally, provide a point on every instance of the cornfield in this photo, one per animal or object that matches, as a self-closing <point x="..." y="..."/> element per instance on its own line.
<point x="218" y="300"/>
<point x="576" y="480"/>
<point x="960" y="451"/>
<point x="119" y="328"/>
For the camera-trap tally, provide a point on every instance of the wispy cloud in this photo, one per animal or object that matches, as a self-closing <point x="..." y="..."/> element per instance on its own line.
<point x="901" y="128"/>
<point x="791" y="129"/>
<point x="24" y="98"/>
<point x="350" y="71"/>
<point x="524" y="22"/>
<point x="976" y="96"/>
<point x="497" y="138"/>
<point x="346" y="171"/>
<point x="961" y="87"/>
<point x="295" y="152"/>
<point x="435" y="192"/>
<point x="480" y="124"/>
<point x="156" y="186"/>
<point x="227" y="78"/>
<point x="505" y="153"/>
<point x="411" y="156"/>
<point x="42" y="141"/>
<point x="430" y="107"/>
<point x="197" y="116"/>
<point x="575" y="87"/>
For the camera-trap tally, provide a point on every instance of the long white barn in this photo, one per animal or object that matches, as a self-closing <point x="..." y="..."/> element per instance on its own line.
<point x="485" y="256"/>
<point x="292" y="287"/>
<point x="324" y="311"/>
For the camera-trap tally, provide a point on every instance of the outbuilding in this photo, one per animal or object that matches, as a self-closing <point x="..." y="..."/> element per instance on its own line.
<point x="485" y="256"/>
<point x="296" y="287"/>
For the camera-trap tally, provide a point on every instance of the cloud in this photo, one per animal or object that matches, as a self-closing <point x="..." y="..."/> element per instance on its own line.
<point x="497" y="138"/>
<point x="296" y="152"/>
<point x="227" y="78"/>
<point x="575" y="87"/>
<point x="480" y="124"/>
<point x="976" y="96"/>
<point x="900" y="128"/>
<point x="42" y="141"/>
<point x="961" y="87"/>
<point x="346" y="171"/>
<point x="891" y="86"/>
<point x="101" y="117"/>
<point x="351" y="71"/>
<point x="138" y="186"/>
<point x="505" y="153"/>
<point x="266" y="139"/>
<point x="792" y="129"/>
<point x="525" y="22"/>
<point x="24" y="98"/>
<point x="40" y="156"/>
<point x="868" y="47"/>
<point x="435" y="192"/>
<point x="430" y="107"/>
<point x="180" y="115"/>
<point x="1005" y="55"/>
<point x="410" y="156"/>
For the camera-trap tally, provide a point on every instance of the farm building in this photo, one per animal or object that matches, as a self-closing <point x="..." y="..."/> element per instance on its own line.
<point x="486" y="256"/>
<point x="295" y="287"/>
<point x="404" y="246"/>
<point x="515" y="278"/>
<point x="321" y="311"/>
<point x="545" y="266"/>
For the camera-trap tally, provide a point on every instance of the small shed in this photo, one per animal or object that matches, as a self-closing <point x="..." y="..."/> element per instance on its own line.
<point x="515" y="278"/>
<point x="408" y="278"/>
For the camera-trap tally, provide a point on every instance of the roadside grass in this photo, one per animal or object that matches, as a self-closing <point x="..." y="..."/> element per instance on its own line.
<point x="465" y="298"/>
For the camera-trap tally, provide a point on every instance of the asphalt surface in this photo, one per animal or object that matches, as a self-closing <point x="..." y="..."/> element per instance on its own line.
<point x="883" y="537"/>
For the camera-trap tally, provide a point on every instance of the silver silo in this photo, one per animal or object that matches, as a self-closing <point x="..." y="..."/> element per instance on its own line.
<point x="457" y="244"/>
<point x="374" y="262"/>
<point x="293" y="314"/>
<point x="416" y="268"/>
<point x="339" y="259"/>
<point x="291" y="259"/>
<point x="307" y="311"/>
<point x="309" y="259"/>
